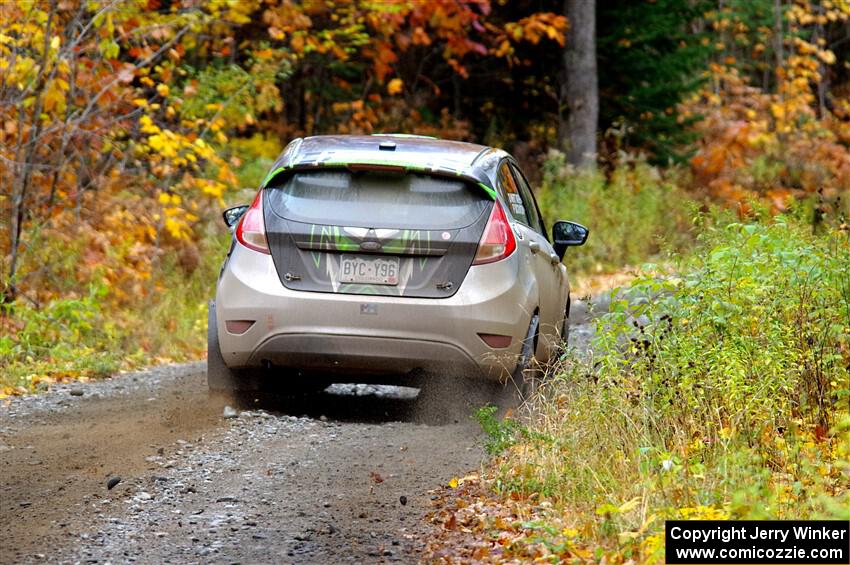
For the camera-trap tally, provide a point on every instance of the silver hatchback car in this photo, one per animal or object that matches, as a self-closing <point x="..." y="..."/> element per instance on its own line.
<point x="388" y="258"/>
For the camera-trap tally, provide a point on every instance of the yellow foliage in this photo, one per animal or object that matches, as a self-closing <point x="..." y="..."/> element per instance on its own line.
<point x="395" y="86"/>
<point x="743" y="124"/>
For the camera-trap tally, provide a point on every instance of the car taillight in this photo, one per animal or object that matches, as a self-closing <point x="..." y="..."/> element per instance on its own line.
<point x="498" y="241"/>
<point x="251" y="231"/>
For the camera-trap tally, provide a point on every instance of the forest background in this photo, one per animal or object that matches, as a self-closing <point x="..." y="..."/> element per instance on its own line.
<point x="127" y="125"/>
<point x="706" y="143"/>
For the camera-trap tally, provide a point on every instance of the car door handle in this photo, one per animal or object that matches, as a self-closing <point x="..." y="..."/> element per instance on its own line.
<point x="554" y="259"/>
<point x="534" y="247"/>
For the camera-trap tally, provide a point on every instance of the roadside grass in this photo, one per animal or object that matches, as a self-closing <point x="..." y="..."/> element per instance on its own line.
<point x="718" y="391"/>
<point x="88" y="336"/>
<point x="634" y="213"/>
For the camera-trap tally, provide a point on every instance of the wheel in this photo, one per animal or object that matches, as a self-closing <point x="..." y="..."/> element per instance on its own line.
<point x="565" y="329"/>
<point x="526" y="373"/>
<point x="220" y="377"/>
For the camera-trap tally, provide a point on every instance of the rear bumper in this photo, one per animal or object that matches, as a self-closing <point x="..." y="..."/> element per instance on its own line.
<point x="373" y="334"/>
<point x="362" y="354"/>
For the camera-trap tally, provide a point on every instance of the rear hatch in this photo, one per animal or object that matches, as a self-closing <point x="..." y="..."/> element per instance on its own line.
<point x="374" y="232"/>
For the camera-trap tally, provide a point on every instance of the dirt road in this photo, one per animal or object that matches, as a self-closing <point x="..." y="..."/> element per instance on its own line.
<point x="341" y="477"/>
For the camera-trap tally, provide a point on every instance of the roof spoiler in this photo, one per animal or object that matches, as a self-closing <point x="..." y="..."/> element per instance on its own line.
<point x="379" y="166"/>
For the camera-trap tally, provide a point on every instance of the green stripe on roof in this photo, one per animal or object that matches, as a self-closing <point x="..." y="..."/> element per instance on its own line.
<point x="488" y="190"/>
<point x="271" y="175"/>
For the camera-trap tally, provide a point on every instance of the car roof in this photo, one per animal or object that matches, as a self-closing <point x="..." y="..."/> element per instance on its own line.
<point x="413" y="151"/>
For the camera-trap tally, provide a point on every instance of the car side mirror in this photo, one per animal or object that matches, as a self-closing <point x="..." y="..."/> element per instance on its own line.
<point x="568" y="234"/>
<point x="232" y="215"/>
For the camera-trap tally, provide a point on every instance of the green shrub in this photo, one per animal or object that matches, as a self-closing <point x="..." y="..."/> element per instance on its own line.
<point x="88" y="337"/>
<point x="720" y="391"/>
<point x="256" y="155"/>
<point x="501" y="434"/>
<point x="754" y="332"/>
<point x="633" y="215"/>
<point x="66" y="335"/>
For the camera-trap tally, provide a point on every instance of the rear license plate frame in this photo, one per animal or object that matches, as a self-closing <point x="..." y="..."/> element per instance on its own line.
<point x="369" y="269"/>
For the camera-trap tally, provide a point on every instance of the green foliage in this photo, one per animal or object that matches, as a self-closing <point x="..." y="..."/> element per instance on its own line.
<point x="66" y="335"/>
<point x="256" y="155"/>
<point x="721" y="391"/>
<point x="231" y="92"/>
<point x="633" y="215"/>
<point x="87" y="337"/>
<point x="649" y="60"/>
<point x="759" y="323"/>
<point x="501" y="434"/>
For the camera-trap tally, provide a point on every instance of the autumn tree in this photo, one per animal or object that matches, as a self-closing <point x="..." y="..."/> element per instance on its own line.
<point x="780" y="140"/>
<point x="78" y="89"/>
<point x="116" y="118"/>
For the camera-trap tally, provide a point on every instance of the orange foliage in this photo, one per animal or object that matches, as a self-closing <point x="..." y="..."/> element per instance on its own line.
<point x="115" y="118"/>
<point x="96" y="167"/>
<point x="773" y="146"/>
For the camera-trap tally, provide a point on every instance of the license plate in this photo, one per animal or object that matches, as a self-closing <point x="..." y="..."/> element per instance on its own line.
<point x="368" y="270"/>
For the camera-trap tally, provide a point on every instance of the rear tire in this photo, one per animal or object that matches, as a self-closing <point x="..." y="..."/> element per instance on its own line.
<point x="220" y="377"/>
<point x="526" y="375"/>
<point x="565" y="330"/>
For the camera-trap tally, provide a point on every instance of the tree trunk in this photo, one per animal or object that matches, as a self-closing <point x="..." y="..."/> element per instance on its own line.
<point x="25" y="158"/>
<point x="778" y="33"/>
<point x="580" y="90"/>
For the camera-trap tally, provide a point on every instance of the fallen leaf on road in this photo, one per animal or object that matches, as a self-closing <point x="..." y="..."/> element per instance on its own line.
<point x="473" y="524"/>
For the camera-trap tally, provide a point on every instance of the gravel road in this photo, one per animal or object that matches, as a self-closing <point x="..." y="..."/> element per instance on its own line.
<point x="337" y="478"/>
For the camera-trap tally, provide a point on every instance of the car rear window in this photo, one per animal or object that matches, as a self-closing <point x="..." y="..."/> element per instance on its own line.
<point x="378" y="200"/>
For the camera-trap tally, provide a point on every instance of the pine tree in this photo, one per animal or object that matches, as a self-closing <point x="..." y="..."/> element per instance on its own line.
<point x="650" y="55"/>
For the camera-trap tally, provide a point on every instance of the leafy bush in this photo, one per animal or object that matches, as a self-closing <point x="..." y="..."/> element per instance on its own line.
<point x="88" y="336"/>
<point x="256" y="155"/>
<point x="501" y="434"/>
<point x="67" y="335"/>
<point x="723" y="391"/>
<point x="633" y="215"/>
